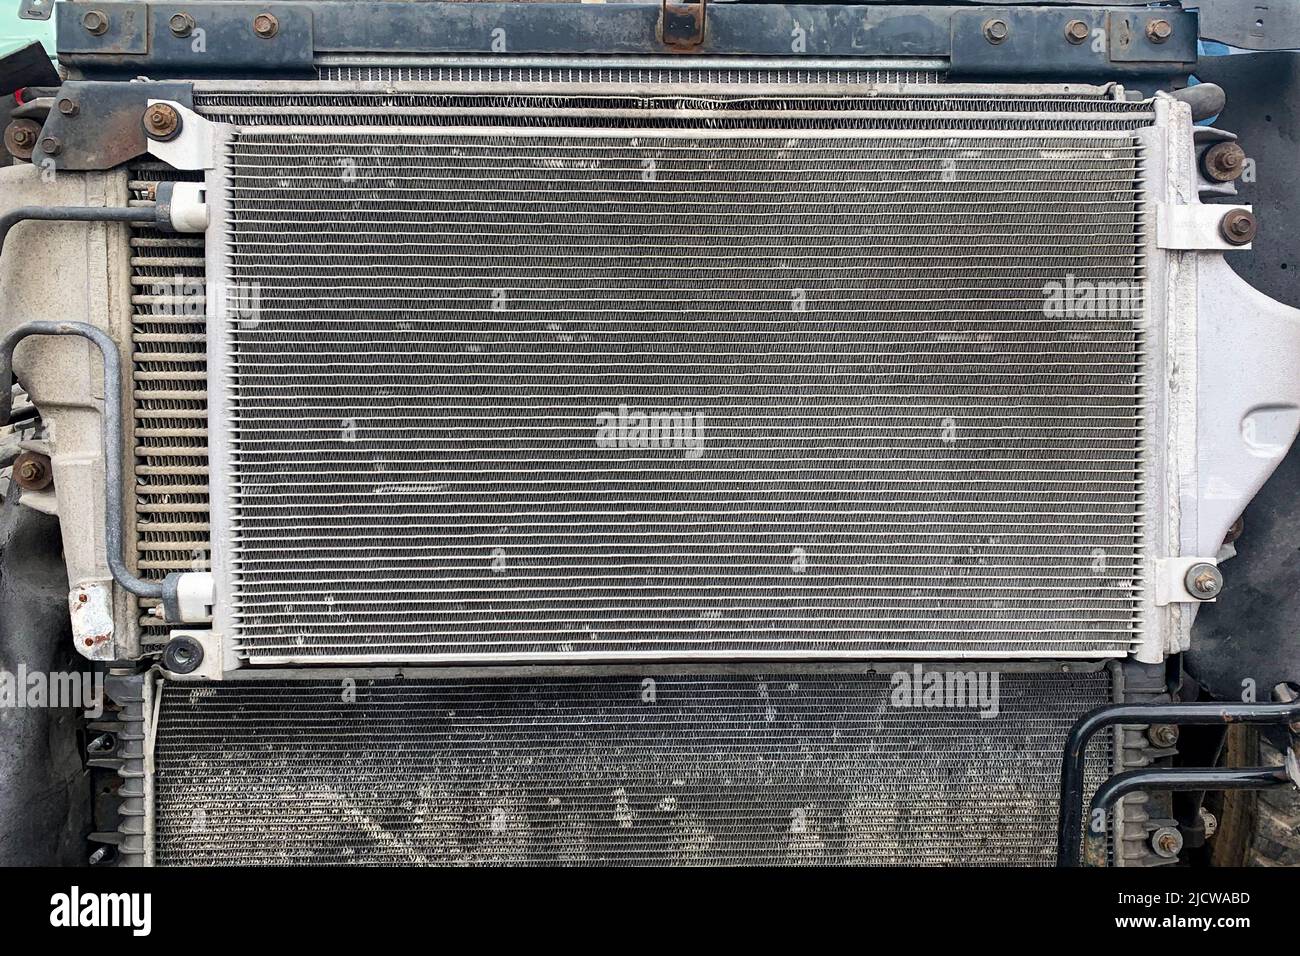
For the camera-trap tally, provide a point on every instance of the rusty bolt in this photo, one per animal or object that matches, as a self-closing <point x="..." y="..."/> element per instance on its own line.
<point x="1163" y="735"/>
<point x="21" y="136"/>
<point x="1158" y="31"/>
<point x="265" y="25"/>
<point x="161" y="122"/>
<point x="995" y="31"/>
<point x="1224" y="162"/>
<point x="32" y="471"/>
<point x="51" y="146"/>
<point x="1238" y="227"/>
<point x="182" y="24"/>
<point x="1203" y="580"/>
<point x="1076" y="31"/>
<point x="95" y="22"/>
<point x="1167" y="842"/>
<point x="68" y="107"/>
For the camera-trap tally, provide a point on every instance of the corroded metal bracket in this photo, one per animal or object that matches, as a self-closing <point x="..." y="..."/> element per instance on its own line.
<point x="682" y="24"/>
<point x="101" y="126"/>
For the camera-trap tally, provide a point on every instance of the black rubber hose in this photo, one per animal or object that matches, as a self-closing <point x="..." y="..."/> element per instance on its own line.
<point x="73" y="214"/>
<point x="114" y="532"/>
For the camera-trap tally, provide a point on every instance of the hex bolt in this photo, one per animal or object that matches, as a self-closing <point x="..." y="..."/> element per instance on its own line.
<point x="1163" y="735"/>
<point x="101" y="744"/>
<point x="1076" y="31"/>
<point x="51" y="146"/>
<point x="1238" y="227"/>
<point x="161" y="122"/>
<point x="265" y="25"/>
<point x="1223" y="162"/>
<point x="995" y="31"/>
<point x="1158" y="31"/>
<point x="1203" y="581"/>
<point x="1167" y="842"/>
<point x="182" y="24"/>
<point x="32" y="471"/>
<point x="22" y="135"/>
<point x="68" y="107"/>
<point x="95" y="22"/>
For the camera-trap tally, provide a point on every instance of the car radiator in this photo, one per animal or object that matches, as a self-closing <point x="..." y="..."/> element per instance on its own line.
<point x="793" y="768"/>
<point x="545" y="377"/>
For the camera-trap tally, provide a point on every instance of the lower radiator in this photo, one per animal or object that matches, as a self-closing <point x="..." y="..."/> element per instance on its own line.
<point x="811" y="766"/>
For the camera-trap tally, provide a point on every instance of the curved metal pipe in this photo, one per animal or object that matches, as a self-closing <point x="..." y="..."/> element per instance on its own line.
<point x="73" y="214"/>
<point x="1070" y="820"/>
<point x="114" y="532"/>
<point x="1166" y="778"/>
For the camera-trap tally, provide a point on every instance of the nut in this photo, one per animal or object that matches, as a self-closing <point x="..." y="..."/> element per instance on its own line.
<point x="1076" y="31"/>
<point x="51" y="146"/>
<point x="182" y="655"/>
<point x="995" y="31"/>
<point x="32" y="471"/>
<point x="1238" y="227"/>
<point x="1224" y="162"/>
<point x="68" y="107"/>
<point x="161" y="122"/>
<point x="265" y="25"/>
<point x="182" y="24"/>
<point x="1203" y="581"/>
<point x="95" y="22"/>
<point x="1158" y="31"/>
<point x="1167" y="842"/>
<point x="1163" y="735"/>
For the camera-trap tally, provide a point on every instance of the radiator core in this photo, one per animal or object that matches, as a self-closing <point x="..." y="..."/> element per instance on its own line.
<point x="695" y="769"/>
<point x="732" y="379"/>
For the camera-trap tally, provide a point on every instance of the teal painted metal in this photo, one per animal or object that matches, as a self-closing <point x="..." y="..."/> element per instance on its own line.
<point x="16" y="32"/>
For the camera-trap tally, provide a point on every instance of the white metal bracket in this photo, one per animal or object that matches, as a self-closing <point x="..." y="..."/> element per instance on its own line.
<point x="1193" y="226"/>
<point x="1171" y="581"/>
<point x="194" y="145"/>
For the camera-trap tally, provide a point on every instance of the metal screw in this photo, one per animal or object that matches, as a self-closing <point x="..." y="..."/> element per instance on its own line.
<point x="1203" y="581"/>
<point x="1076" y="31"/>
<point x="1158" y="31"/>
<point x="1224" y="162"/>
<point x="32" y="471"/>
<point x="95" y="22"/>
<point x="68" y="108"/>
<point x="995" y="31"/>
<point x="1163" y="735"/>
<point x="51" y="146"/>
<point x="161" y="122"/>
<point x="265" y="25"/>
<point x="1167" y="842"/>
<point x="1238" y="227"/>
<point x="182" y="24"/>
